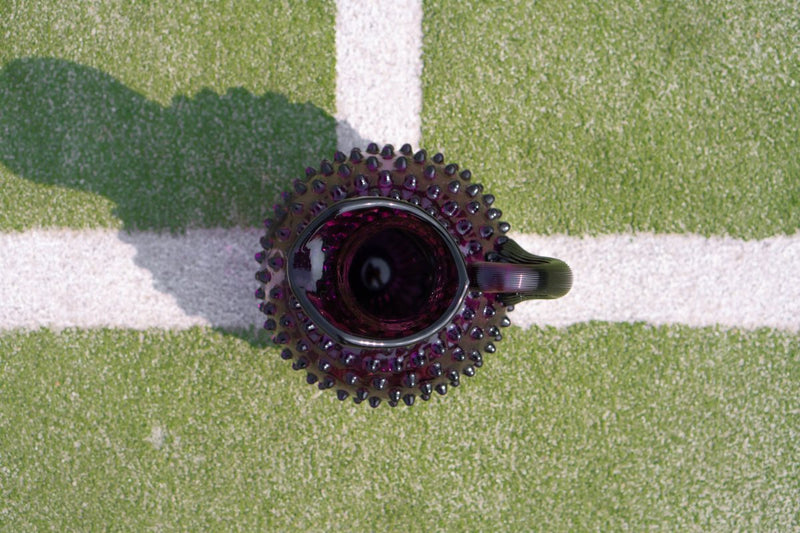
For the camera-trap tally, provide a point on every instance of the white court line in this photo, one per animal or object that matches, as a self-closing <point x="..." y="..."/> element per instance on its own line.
<point x="378" y="72"/>
<point x="61" y="278"/>
<point x="97" y="278"/>
<point x="668" y="279"/>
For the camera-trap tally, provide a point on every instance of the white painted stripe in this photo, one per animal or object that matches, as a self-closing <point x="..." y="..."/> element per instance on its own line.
<point x="60" y="278"/>
<point x="378" y="71"/>
<point x="668" y="279"/>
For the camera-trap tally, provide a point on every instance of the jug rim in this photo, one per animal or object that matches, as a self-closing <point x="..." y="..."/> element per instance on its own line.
<point x="348" y="338"/>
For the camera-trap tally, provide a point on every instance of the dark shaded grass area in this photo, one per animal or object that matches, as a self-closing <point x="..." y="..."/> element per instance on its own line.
<point x="209" y="160"/>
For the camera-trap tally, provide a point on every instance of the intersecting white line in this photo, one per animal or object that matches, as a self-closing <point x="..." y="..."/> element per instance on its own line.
<point x="105" y="278"/>
<point x="659" y="279"/>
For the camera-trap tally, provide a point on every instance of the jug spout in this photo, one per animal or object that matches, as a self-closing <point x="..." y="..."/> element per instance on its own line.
<point x="516" y="275"/>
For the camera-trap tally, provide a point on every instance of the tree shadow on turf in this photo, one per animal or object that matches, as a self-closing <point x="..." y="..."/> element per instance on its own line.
<point x="208" y="160"/>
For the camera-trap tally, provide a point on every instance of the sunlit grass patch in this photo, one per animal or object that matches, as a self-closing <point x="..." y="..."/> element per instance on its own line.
<point x="594" y="426"/>
<point x="627" y="116"/>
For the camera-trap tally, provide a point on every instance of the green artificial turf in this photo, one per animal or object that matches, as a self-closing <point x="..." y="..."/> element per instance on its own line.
<point x="606" y="117"/>
<point x="597" y="426"/>
<point x="160" y="115"/>
<point x="580" y="117"/>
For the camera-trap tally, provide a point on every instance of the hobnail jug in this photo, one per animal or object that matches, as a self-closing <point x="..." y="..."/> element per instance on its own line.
<point x="387" y="276"/>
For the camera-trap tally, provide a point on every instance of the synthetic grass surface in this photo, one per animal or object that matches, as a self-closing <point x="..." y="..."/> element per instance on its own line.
<point x="607" y="117"/>
<point x="593" y="427"/>
<point x="159" y="115"/>
<point x="653" y="116"/>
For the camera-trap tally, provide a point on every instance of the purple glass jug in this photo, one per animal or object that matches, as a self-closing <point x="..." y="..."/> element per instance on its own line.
<point x="386" y="277"/>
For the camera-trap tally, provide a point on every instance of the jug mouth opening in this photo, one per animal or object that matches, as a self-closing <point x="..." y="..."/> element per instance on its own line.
<point x="377" y="273"/>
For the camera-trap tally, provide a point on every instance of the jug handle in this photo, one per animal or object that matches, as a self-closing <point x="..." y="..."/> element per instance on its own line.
<point x="519" y="275"/>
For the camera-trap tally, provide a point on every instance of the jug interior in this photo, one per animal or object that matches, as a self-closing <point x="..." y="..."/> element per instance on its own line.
<point x="377" y="272"/>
